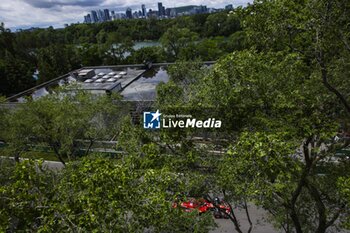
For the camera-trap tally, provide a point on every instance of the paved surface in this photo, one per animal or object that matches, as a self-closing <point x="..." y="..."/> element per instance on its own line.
<point x="53" y="165"/>
<point x="257" y="216"/>
<point x="259" y="224"/>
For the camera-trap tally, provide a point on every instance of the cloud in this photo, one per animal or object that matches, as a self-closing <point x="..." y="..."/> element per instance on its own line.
<point x="51" y="4"/>
<point x="18" y="14"/>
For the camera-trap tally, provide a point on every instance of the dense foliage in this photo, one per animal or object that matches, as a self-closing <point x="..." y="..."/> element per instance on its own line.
<point x="287" y="100"/>
<point x="94" y="195"/>
<point x="56" y="121"/>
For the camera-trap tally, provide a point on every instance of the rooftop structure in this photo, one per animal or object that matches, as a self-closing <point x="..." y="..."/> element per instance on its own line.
<point x="97" y="80"/>
<point x="101" y="80"/>
<point x="133" y="82"/>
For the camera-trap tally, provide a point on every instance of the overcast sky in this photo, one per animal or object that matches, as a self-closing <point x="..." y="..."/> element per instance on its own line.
<point x="43" y="13"/>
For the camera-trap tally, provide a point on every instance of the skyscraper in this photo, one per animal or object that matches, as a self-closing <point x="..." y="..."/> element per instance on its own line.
<point x="87" y="18"/>
<point x="229" y="7"/>
<point x="173" y="12"/>
<point x="144" y="11"/>
<point x="160" y="9"/>
<point x="167" y="12"/>
<point x="94" y="18"/>
<point x="101" y="16"/>
<point x="106" y="15"/>
<point x="128" y="13"/>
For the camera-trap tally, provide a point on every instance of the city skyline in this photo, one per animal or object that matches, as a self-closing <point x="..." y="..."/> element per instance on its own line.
<point x="162" y="12"/>
<point x="22" y="14"/>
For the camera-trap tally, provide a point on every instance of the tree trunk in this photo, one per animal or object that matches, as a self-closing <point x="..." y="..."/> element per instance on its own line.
<point x="89" y="147"/>
<point x="248" y="216"/>
<point x="58" y="155"/>
<point x="17" y="157"/>
<point x="321" y="209"/>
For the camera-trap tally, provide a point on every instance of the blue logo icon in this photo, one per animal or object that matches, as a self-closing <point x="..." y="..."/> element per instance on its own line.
<point x="151" y="120"/>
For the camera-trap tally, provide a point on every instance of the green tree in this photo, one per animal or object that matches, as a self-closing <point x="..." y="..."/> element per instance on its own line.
<point x="209" y="49"/>
<point x="175" y="40"/>
<point x="95" y="194"/>
<point x="146" y="54"/>
<point x="221" y="24"/>
<point x="7" y="40"/>
<point x="179" y="91"/>
<point x="89" y="54"/>
<point x="314" y="29"/>
<point x="236" y="42"/>
<point x="118" y="48"/>
<point x="24" y="194"/>
<point x="15" y="75"/>
<point x="57" y="121"/>
<point x="56" y="60"/>
<point x="287" y="121"/>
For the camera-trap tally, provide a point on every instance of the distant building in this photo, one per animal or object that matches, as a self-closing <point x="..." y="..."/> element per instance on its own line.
<point x="119" y="16"/>
<point x="173" y="12"/>
<point x="135" y="15"/>
<point x="101" y="16"/>
<point x="107" y="17"/>
<point x="162" y="12"/>
<point x="94" y="18"/>
<point x="144" y="10"/>
<point x="229" y="7"/>
<point x="87" y="18"/>
<point x="213" y="10"/>
<point x="199" y="10"/>
<point x="128" y="13"/>
<point x="122" y="16"/>
<point x="168" y="12"/>
<point x="160" y="9"/>
<point x="204" y="9"/>
<point x="152" y="14"/>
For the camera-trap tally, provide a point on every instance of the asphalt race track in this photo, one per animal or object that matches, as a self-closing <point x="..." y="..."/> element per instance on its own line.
<point x="257" y="216"/>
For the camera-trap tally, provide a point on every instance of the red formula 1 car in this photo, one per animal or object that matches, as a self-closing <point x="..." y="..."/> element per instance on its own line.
<point x="220" y="208"/>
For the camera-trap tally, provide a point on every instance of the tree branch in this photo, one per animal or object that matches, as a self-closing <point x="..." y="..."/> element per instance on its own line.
<point x="325" y="82"/>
